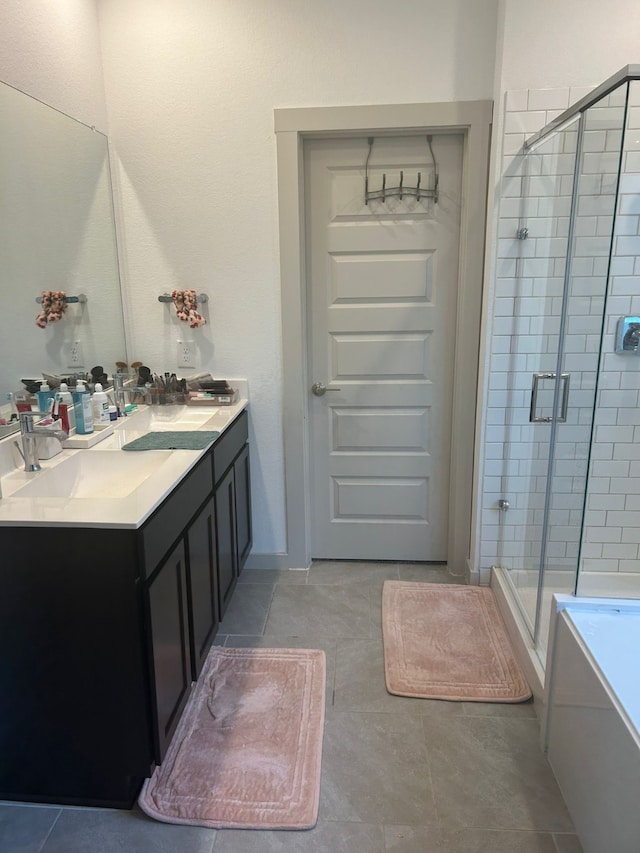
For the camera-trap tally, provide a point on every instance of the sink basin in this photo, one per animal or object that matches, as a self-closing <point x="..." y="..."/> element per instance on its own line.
<point x="94" y="474"/>
<point x="159" y="418"/>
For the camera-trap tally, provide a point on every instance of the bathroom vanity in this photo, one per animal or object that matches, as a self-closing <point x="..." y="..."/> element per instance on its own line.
<point x="104" y="625"/>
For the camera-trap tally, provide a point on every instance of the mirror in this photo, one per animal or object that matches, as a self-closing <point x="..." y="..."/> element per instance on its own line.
<point x="57" y="233"/>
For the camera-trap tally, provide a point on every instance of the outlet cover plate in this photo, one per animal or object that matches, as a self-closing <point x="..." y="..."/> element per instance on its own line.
<point x="75" y="355"/>
<point x="186" y="354"/>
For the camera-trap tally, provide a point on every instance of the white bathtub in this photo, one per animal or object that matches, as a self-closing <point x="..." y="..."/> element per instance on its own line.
<point x="593" y="719"/>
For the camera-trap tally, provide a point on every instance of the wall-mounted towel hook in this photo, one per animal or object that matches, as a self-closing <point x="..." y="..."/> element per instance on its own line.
<point x="166" y="297"/>
<point x="81" y="297"/>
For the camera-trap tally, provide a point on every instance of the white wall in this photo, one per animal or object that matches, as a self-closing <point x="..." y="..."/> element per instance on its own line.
<point x="191" y="87"/>
<point x="557" y="43"/>
<point x="51" y="50"/>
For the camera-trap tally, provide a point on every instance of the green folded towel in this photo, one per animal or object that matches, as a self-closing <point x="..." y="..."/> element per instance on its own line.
<point x="176" y="440"/>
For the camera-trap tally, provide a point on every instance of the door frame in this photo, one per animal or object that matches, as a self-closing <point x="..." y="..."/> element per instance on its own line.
<point x="292" y="127"/>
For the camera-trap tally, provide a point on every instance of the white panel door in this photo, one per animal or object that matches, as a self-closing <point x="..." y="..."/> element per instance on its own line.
<point x="382" y="289"/>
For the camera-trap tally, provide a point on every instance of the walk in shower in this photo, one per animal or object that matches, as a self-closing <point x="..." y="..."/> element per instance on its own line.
<point x="563" y="451"/>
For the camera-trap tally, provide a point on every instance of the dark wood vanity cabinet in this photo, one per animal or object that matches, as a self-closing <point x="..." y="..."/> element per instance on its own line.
<point x="233" y="511"/>
<point x="225" y="532"/>
<point x="202" y="585"/>
<point x="103" y="631"/>
<point x="242" y="481"/>
<point x="166" y="596"/>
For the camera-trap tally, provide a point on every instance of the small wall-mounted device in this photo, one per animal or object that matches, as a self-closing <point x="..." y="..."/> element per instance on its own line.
<point x="628" y="335"/>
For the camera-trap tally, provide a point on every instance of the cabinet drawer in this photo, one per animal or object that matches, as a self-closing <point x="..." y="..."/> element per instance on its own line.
<point x="229" y="445"/>
<point x="170" y="520"/>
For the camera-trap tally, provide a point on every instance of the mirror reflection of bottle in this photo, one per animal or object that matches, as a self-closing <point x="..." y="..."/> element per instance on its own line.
<point x="45" y="395"/>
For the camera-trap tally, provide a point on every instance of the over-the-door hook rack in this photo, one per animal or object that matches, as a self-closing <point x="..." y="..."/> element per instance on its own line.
<point x="81" y="297"/>
<point x="166" y="297"/>
<point x="418" y="192"/>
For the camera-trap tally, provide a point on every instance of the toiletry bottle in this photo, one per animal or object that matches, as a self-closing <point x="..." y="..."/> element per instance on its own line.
<point x="13" y="411"/>
<point x="23" y="401"/>
<point x="45" y="395"/>
<point x="64" y="395"/>
<point x="100" y="406"/>
<point x="84" y="413"/>
<point x="61" y="413"/>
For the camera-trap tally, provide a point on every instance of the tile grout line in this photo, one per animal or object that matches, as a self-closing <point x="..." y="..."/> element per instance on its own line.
<point x="51" y="828"/>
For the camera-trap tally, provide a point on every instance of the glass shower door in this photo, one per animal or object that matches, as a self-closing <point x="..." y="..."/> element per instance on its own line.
<point x="540" y="241"/>
<point x="569" y="186"/>
<point x="589" y="269"/>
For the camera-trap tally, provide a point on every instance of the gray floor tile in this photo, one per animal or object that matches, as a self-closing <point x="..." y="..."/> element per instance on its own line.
<point x="247" y="610"/>
<point x="568" y="844"/>
<point x="273" y="576"/>
<point x="374" y="768"/>
<point x="494" y="765"/>
<point x="360" y="683"/>
<point x="103" y="831"/>
<point x="407" y="839"/>
<point x="426" y="573"/>
<point x="499" y="709"/>
<point x="333" y="837"/>
<point x="24" y="829"/>
<point x="335" y="572"/>
<point x="376" y="611"/>
<point x="320" y="611"/>
<point x="220" y="639"/>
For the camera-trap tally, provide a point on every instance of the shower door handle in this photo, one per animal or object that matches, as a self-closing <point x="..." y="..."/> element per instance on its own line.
<point x="542" y="419"/>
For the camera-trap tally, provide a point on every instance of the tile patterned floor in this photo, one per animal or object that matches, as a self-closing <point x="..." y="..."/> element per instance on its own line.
<point x="399" y="775"/>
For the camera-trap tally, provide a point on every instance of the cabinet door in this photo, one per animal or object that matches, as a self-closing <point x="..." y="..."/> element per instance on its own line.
<point x="226" y="539"/>
<point x="242" y="482"/>
<point x="202" y="586"/>
<point x="167" y="600"/>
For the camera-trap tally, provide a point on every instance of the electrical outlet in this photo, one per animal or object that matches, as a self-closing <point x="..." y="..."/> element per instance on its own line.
<point x="75" y="356"/>
<point x="186" y="354"/>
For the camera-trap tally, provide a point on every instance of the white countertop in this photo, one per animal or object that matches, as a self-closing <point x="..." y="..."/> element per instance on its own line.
<point x="124" y="511"/>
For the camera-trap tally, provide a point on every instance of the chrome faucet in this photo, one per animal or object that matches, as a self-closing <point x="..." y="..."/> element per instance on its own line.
<point x="118" y="393"/>
<point x="121" y="388"/>
<point x="30" y="434"/>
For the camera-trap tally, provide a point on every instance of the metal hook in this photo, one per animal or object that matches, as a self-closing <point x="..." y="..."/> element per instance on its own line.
<point x="366" y="171"/>
<point x="418" y="186"/>
<point x="401" y="179"/>
<point x="384" y="182"/>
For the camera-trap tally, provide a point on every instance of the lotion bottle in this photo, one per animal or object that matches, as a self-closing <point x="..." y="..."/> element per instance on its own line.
<point x="100" y="406"/>
<point x="83" y="410"/>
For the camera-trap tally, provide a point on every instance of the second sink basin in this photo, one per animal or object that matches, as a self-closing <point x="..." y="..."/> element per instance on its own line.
<point x="94" y="474"/>
<point x="159" y="418"/>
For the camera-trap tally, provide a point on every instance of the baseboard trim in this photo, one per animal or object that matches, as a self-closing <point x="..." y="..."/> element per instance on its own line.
<point x="270" y="561"/>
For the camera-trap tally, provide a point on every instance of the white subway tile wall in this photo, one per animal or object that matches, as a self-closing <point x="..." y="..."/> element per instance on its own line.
<point x="537" y="193"/>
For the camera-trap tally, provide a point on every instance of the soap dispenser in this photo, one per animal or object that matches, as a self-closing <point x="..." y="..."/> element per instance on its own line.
<point x="45" y="395"/>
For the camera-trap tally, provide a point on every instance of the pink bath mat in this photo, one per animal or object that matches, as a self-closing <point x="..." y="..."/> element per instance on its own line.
<point x="443" y="641"/>
<point x="247" y="752"/>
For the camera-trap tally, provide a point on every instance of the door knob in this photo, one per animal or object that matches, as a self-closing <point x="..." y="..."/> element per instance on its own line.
<point x="319" y="388"/>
